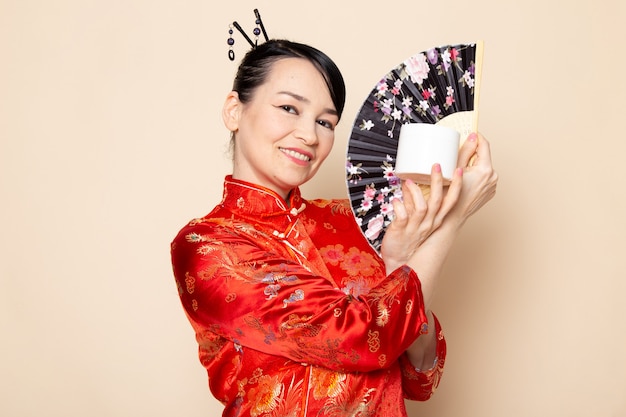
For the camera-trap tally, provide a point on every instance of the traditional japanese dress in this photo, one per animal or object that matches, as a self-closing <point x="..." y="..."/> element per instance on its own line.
<point x="293" y="312"/>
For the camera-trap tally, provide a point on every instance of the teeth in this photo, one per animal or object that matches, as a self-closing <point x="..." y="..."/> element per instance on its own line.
<point x="295" y="154"/>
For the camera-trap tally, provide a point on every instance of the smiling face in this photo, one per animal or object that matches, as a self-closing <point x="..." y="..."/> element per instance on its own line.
<point x="285" y="132"/>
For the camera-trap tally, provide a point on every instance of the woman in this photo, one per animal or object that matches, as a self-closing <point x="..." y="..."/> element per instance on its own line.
<point x="294" y="313"/>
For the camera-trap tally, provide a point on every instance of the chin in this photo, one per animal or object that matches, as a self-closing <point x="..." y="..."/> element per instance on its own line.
<point x="295" y="182"/>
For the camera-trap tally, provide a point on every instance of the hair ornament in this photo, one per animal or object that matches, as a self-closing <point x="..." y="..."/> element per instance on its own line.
<point x="257" y="31"/>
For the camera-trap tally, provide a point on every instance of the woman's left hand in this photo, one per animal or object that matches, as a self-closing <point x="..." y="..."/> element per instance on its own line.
<point x="416" y="218"/>
<point x="478" y="186"/>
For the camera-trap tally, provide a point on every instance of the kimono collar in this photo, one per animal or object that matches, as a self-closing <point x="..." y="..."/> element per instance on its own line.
<point x="252" y="199"/>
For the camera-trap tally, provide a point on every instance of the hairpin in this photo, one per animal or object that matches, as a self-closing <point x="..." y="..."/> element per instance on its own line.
<point x="257" y="31"/>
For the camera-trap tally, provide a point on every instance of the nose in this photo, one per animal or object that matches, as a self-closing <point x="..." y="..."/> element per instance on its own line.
<point x="306" y="131"/>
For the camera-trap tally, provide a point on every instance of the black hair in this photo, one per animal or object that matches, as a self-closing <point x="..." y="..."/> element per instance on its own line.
<point x="256" y="65"/>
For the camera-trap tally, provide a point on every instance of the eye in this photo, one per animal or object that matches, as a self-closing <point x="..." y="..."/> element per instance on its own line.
<point x="326" y="124"/>
<point x="289" y="109"/>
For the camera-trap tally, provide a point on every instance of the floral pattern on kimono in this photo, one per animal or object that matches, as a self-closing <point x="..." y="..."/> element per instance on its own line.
<point x="293" y="310"/>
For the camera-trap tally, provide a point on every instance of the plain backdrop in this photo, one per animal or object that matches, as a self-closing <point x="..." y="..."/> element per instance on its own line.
<point x="111" y="139"/>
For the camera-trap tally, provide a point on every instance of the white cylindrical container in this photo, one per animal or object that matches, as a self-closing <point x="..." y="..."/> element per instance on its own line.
<point x="420" y="146"/>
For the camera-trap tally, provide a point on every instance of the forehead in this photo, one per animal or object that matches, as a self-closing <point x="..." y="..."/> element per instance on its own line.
<point x="297" y="74"/>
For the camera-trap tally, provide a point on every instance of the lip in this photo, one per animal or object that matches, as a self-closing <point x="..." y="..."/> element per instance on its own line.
<point x="295" y="155"/>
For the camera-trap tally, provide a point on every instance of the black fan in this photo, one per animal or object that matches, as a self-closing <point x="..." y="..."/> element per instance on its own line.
<point x="437" y="86"/>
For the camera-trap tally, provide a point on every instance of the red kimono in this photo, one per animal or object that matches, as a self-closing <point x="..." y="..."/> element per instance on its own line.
<point x="293" y="312"/>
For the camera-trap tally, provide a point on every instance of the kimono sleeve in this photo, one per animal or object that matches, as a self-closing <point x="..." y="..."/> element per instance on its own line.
<point x="259" y="297"/>
<point x="419" y="385"/>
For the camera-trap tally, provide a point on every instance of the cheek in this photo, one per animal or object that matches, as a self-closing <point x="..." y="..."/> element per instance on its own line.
<point x="324" y="147"/>
<point x="328" y="140"/>
<point x="276" y="126"/>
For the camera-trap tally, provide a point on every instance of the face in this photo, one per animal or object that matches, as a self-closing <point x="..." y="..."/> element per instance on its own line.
<point x="286" y="131"/>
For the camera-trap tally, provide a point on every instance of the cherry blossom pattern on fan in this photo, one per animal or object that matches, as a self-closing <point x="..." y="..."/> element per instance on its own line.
<point x="425" y="88"/>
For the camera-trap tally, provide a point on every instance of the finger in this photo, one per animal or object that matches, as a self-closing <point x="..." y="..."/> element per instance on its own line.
<point x="418" y="207"/>
<point x="468" y="149"/>
<point x="400" y="216"/>
<point x="436" y="190"/>
<point x="452" y="196"/>
<point x="483" y="151"/>
<point x="407" y="197"/>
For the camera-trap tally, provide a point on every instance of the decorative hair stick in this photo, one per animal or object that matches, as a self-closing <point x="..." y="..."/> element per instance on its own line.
<point x="260" y="23"/>
<point x="240" y="29"/>
<point x="257" y="31"/>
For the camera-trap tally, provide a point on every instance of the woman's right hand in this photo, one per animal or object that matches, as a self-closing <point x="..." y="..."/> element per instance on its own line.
<point x="480" y="180"/>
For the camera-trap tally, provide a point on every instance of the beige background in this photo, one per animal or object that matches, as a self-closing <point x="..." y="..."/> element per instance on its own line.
<point x="111" y="139"/>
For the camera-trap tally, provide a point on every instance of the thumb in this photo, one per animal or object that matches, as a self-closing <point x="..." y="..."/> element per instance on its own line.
<point x="468" y="150"/>
<point x="483" y="151"/>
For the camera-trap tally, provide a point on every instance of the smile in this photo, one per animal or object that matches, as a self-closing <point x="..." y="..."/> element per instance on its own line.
<point x="296" y="155"/>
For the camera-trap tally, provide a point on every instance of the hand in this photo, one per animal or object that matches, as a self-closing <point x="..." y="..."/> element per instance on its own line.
<point x="477" y="187"/>
<point x="415" y="218"/>
<point x="479" y="178"/>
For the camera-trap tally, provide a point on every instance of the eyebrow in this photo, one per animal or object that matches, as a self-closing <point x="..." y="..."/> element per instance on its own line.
<point x="306" y="100"/>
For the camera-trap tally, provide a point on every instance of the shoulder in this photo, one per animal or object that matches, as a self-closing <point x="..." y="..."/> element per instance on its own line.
<point x="219" y="230"/>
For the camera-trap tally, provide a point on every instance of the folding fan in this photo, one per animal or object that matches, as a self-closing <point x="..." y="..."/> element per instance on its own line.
<point x="436" y="86"/>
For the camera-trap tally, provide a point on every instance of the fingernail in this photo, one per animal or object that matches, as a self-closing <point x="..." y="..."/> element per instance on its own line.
<point x="459" y="171"/>
<point x="472" y="137"/>
<point x="437" y="168"/>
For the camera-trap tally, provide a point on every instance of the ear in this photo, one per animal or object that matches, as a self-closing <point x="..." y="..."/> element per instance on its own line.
<point x="231" y="111"/>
